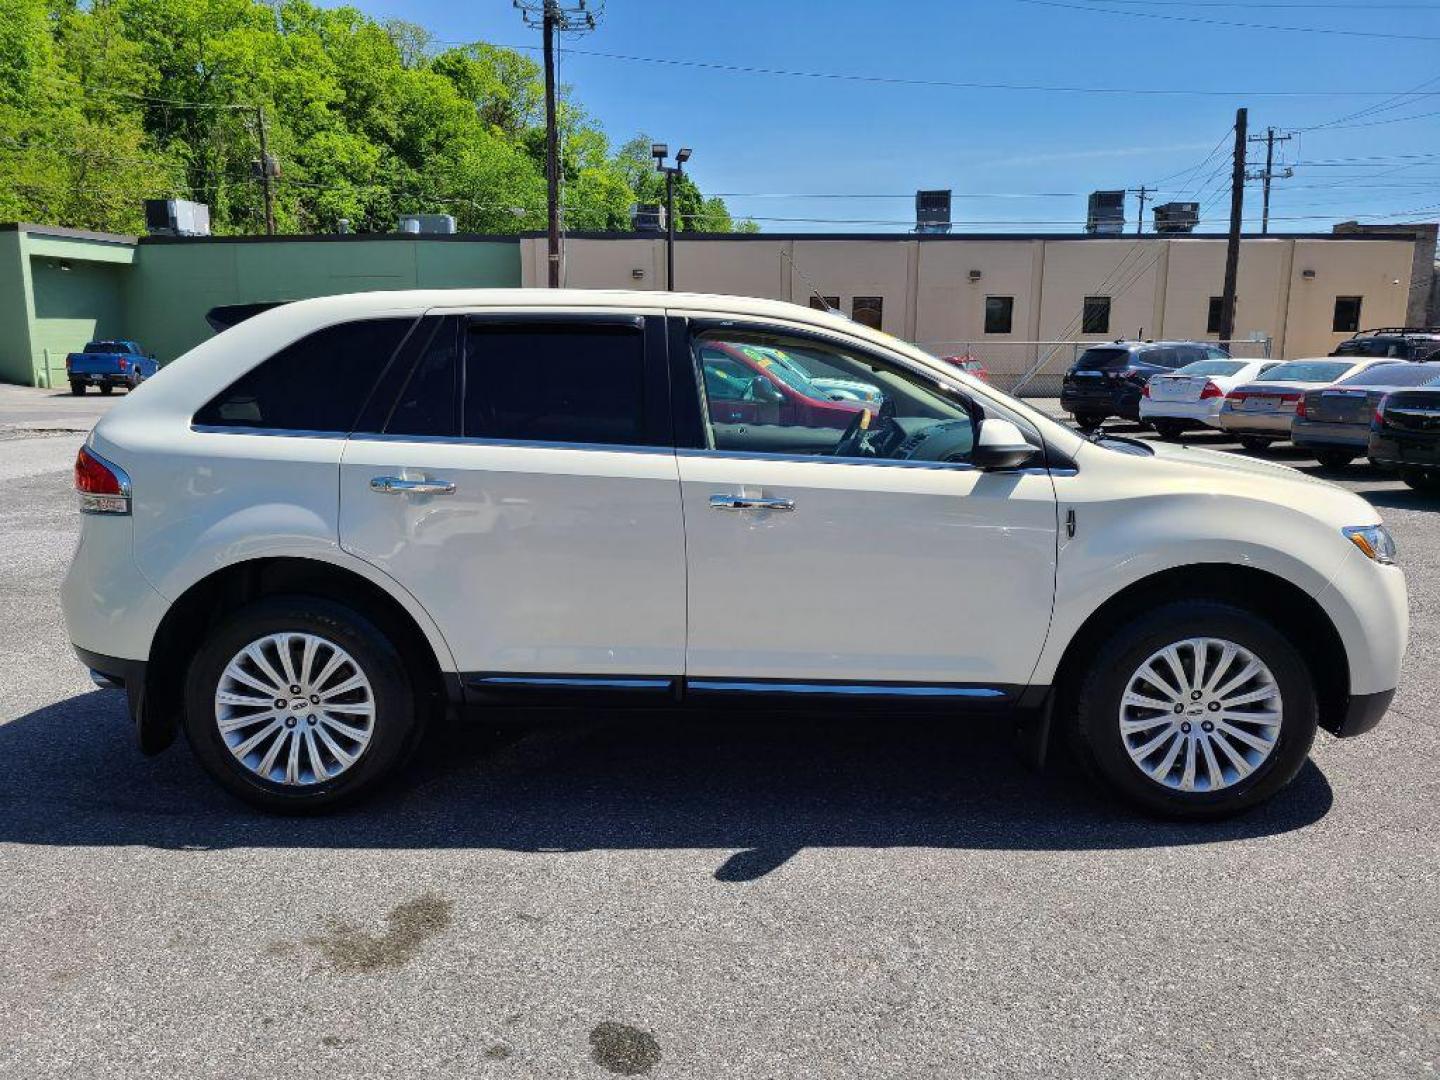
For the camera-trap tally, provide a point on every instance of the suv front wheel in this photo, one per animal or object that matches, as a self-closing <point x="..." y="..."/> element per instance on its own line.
<point x="1198" y="709"/>
<point x="298" y="704"/>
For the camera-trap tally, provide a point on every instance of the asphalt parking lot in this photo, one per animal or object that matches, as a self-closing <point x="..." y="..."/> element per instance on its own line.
<point x="605" y="896"/>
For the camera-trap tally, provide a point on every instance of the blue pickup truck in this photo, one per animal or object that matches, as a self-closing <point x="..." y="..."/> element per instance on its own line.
<point x="108" y="364"/>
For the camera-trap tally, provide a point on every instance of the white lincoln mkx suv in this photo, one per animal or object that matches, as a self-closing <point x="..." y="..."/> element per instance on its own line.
<point x="322" y="527"/>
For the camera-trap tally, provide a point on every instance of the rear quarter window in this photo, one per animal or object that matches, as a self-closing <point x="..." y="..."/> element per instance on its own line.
<point x="319" y="383"/>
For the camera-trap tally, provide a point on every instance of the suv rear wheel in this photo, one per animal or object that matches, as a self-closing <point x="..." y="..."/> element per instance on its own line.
<point x="1089" y="421"/>
<point x="1335" y="459"/>
<point x="1255" y="443"/>
<point x="1169" y="430"/>
<point x="1198" y="709"/>
<point x="298" y="704"/>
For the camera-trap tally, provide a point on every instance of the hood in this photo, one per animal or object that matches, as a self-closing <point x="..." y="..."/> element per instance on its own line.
<point x="1223" y="462"/>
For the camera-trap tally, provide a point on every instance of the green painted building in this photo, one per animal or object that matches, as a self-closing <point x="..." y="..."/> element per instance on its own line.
<point x="60" y="288"/>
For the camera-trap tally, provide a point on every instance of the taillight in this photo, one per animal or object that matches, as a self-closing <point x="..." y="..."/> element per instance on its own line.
<point x="1210" y="390"/>
<point x="1379" y="419"/>
<point x="103" y="486"/>
<point x="1145" y="390"/>
<point x="1300" y="412"/>
<point x="1293" y="399"/>
<point x="68" y="360"/>
<point x="124" y="364"/>
<point x="1235" y="395"/>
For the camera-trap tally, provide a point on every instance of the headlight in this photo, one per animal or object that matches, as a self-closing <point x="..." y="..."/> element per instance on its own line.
<point x="1374" y="540"/>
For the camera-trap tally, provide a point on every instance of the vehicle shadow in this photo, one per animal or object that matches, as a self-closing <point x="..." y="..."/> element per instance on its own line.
<point x="758" y="790"/>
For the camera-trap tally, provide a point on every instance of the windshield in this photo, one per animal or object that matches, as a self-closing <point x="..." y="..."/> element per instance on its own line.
<point x="1211" y="367"/>
<point x="1308" y="371"/>
<point x="1400" y="374"/>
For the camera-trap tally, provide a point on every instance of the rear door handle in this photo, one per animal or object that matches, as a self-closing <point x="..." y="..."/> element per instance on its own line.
<point x="398" y="485"/>
<point x="741" y="502"/>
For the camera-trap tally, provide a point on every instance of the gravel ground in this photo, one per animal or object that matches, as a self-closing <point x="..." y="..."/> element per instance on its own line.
<point x="605" y="896"/>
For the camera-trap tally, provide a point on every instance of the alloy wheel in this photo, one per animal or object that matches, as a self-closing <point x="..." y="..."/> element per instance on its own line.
<point x="295" y="709"/>
<point x="1200" y="715"/>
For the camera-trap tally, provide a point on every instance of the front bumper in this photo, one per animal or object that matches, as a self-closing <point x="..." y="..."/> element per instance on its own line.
<point x="1362" y="713"/>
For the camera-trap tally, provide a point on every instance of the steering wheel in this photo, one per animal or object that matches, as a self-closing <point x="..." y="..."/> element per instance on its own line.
<point x="854" y="436"/>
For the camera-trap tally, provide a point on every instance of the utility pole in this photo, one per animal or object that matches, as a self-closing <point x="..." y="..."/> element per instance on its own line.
<point x="1232" y="245"/>
<point x="1144" y="193"/>
<point x="1270" y="138"/>
<point x="553" y="17"/>
<point x="268" y="169"/>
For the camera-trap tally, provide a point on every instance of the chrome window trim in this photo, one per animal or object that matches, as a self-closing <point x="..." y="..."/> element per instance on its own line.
<point x="293" y="433"/>
<point x="623" y="683"/>
<point x="539" y="444"/>
<point x="885" y="463"/>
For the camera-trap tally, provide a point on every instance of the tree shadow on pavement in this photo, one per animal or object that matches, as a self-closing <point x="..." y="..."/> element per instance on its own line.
<point x="759" y="788"/>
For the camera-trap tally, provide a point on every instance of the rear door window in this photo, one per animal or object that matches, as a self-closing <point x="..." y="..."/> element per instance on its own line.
<point x="563" y="381"/>
<point x="317" y="384"/>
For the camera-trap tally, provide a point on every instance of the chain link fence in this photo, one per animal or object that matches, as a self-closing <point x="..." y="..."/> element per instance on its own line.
<point x="1035" y="368"/>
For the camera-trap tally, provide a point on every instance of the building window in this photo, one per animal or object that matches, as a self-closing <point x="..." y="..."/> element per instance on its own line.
<point x="868" y="310"/>
<point x="1095" y="316"/>
<point x="1212" y="317"/>
<point x="999" y="314"/>
<point x="825" y="303"/>
<point x="1347" y="315"/>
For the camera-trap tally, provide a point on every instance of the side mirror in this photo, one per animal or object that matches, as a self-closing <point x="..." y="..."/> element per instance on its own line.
<point x="1001" y="446"/>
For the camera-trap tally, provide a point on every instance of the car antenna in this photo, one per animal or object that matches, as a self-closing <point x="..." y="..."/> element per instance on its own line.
<point x="810" y="284"/>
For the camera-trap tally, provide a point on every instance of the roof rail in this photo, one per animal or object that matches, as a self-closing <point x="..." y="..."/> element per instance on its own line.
<point x="1377" y="331"/>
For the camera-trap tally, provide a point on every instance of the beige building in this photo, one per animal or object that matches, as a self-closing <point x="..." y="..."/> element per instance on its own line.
<point x="998" y="295"/>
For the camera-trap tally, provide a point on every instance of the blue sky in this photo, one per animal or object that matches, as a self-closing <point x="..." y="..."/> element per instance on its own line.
<point x="778" y="135"/>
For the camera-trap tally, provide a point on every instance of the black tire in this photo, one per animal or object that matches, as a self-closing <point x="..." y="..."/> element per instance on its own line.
<point x="1094" y="719"/>
<point x="1169" y="430"/>
<point x="397" y="721"/>
<point x="1255" y="443"/>
<point x="1335" y="459"/>
<point x="77" y="388"/>
<point x="1088" y="421"/>
<point x="107" y="388"/>
<point x="1424" y="480"/>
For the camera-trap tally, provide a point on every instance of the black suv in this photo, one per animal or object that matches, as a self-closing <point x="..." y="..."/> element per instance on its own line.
<point x="1107" y="379"/>
<point x="1400" y="342"/>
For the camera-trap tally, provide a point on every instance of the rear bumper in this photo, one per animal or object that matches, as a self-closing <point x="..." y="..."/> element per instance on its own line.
<point x="114" y="378"/>
<point x="1205" y="412"/>
<point x="1397" y="449"/>
<point x="1101" y="401"/>
<point x="1270" y="425"/>
<point x="1313" y="433"/>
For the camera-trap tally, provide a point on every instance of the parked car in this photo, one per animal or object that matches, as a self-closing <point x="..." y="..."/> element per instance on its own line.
<point x="1192" y="396"/>
<point x="108" y="364"/>
<point x="316" y="530"/>
<point x="1393" y="342"/>
<point x="1260" y="413"/>
<point x="1405" y="437"/>
<point x="1334" y="422"/>
<point x="745" y="387"/>
<point x="971" y="365"/>
<point x="837" y="389"/>
<point x="1107" y="380"/>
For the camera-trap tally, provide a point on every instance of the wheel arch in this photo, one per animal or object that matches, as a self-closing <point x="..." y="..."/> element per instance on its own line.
<point x="1297" y="614"/>
<point x="190" y="618"/>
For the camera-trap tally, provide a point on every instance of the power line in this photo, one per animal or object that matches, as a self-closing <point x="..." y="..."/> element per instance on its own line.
<point x="1196" y="19"/>
<point x="949" y="84"/>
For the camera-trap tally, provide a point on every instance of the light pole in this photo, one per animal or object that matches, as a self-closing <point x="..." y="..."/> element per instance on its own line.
<point x="660" y="152"/>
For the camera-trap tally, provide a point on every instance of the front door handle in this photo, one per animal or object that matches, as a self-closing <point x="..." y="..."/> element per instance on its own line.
<point x="742" y="502"/>
<point x="398" y="485"/>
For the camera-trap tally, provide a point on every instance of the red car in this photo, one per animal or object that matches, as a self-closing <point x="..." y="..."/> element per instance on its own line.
<point x="745" y="390"/>
<point x="969" y="364"/>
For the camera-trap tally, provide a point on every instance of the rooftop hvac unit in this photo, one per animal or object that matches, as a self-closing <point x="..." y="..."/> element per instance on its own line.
<point x="1177" y="217"/>
<point x="176" y="217"/>
<point x="1107" y="213"/>
<point x="428" y="224"/>
<point x="647" y="217"/>
<point x="932" y="211"/>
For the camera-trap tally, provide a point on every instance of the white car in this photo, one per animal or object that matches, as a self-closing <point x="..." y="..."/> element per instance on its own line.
<point x="1192" y="396"/>
<point x="1261" y="412"/>
<point x="312" y="532"/>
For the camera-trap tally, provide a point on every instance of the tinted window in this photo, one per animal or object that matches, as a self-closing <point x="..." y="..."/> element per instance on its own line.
<point x="1164" y="357"/>
<point x="1347" y="315"/>
<point x="999" y="314"/>
<point x="317" y="384"/>
<point x="1102" y="360"/>
<point x="559" y="382"/>
<point x="1095" y="315"/>
<point x="1309" y="371"/>
<point x="1401" y="374"/>
<point x="107" y="347"/>
<point x="427" y="402"/>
